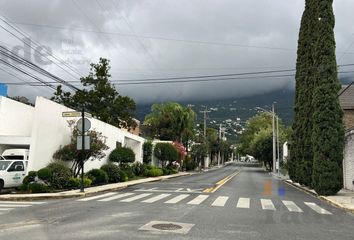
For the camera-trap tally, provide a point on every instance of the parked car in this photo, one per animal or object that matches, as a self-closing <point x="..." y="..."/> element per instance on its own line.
<point x="13" y="167"/>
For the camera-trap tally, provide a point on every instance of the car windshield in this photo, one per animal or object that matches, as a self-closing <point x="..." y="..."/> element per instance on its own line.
<point x="13" y="157"/>
<point x="4" y="165"/>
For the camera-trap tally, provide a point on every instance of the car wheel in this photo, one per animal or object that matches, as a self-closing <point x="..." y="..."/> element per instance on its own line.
<point x="1" y="185"/>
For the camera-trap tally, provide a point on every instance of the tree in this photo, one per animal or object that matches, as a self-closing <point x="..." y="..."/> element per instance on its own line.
<point x="166" y="152"/>
<point x="171" y="121"/>
<point x="262" y="147"/>
<point x="328" y="130"/>
<point x="122" y="155"/>
<point x="69" y="153"/>
<point x="147" y="152"/>
<point x="199" y="151"/>
<point x="100" y="98"/>
<point x="301" y="153"/>
<point x="253" y="126"/>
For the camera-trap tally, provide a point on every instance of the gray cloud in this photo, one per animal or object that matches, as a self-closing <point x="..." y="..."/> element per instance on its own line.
<point x="70" y="29"/>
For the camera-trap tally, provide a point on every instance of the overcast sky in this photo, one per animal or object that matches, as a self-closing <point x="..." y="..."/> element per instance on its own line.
<point x="170" y="38"/>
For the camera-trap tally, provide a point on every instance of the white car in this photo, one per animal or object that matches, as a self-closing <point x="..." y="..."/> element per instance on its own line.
<point x="12" y="173"/>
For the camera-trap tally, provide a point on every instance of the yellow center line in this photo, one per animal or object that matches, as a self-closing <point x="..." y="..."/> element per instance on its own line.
<point x="220" y="183"/>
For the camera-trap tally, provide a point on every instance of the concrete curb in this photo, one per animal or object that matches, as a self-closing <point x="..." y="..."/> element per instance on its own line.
<point x="88" y="191"/>
<point x="324" y="198"/>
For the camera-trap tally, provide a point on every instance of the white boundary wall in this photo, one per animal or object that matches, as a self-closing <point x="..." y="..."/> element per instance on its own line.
<point x="48" y="130"/>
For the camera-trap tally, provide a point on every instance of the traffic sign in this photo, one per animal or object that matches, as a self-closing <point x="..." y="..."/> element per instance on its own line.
<point x="86" y="127"/>
<point x="79" y="142"/>
<point x="75" y="114"/>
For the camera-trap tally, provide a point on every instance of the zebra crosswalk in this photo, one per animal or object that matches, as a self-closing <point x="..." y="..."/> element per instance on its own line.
<point x="199" y="199"/>
<point x="7" y="206"/>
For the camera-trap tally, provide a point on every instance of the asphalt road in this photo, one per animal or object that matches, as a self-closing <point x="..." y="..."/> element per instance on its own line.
<point x="251" y="205"/>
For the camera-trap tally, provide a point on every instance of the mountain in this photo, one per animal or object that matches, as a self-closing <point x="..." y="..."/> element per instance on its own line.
<point x="234" y="112"/>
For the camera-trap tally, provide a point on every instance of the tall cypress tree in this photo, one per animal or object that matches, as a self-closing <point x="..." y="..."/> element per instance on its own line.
<point x="328" y="130"/>
<point x="300" y="163"/>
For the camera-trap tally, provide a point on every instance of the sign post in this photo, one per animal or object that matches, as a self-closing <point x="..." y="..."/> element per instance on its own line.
<point x="83" y="126"/>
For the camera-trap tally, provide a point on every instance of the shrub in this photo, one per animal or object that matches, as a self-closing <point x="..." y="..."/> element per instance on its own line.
<point x="97" y="176"/>
<point x="169" y="170"/>
<point x="153" y="172"/>
<point x="38" y="188"/>
<point x="87" y="182"/>
<point x="60" y="175"/>
<point x="123" y="176"/>
<point x="45" y="174"/>
<point x="128" y="170"/>
<point x="138" y="168"/>
<point x="122" y="155"/>
<point x="112" y="171"/>
<point x="147" y="152"/>
<point x="74" y="183"/>
<point x="189" y="164"/>
<point x="166" y="152"/>
<point x="30" y="177"/>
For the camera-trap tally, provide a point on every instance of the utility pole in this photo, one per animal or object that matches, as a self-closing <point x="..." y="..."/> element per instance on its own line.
<point x="274" y="150"/>
<point x="278" y="152"/>
<point x="219" y="153"/>
<point x="205" y="117"/>
<point x="82" y="149"/>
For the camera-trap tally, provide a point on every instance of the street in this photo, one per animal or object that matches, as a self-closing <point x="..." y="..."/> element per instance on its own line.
<point x="249" y="205"/>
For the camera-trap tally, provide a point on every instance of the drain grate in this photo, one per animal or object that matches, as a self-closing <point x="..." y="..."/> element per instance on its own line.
<point x="167" y="226"/>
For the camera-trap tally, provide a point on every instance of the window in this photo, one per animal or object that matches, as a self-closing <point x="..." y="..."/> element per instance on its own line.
<point x="4" y="165"/>
<point x="16" y="167"/>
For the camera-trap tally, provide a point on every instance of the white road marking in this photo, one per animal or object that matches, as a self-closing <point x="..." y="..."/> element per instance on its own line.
<point x="177" y="198"/>
<point x="5" y="209"/>
<point x="136" y="197"/>
<point x="267" y="204"/>
<point x="317" y="208"/>
<point x="198" y="200"/>
<point x="115" y="197"/>
<point x="220" y="201"/>
<point x="16" y="202"/>
<point x="11" y="205"/>
<point x="243" y="203"/>
<point x="96" y="197"/>
<point x="156" y="198"/>
<point x="291" y="206"/>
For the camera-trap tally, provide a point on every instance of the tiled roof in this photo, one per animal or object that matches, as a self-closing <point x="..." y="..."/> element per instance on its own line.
<point x="346" y="99"/>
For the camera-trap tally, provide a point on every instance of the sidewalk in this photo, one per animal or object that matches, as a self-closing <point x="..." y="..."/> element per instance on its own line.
<point x="344" y="198"/>
<point x="88" y="191"/>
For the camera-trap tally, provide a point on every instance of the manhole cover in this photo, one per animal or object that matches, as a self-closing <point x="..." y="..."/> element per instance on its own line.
<point x="167" y="226"/>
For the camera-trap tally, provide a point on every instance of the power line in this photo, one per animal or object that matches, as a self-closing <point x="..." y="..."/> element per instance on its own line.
<point x="5" y="52"/>
<point x="38" y="44"/>
<point x="191" y="41"/>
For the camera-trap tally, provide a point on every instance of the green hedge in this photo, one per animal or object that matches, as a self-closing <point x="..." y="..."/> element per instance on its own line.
<point x="97" y="176"/>
<point x="122" y="155"/>
<point x="38" y="188"/>
<point x="60" y="175"/>
<point x="153" y="171"/>
<point x="112" y="171"/>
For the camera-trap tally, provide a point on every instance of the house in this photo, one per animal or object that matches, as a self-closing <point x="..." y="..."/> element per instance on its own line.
<point x="346" y="99"/>
<point x="42" y="129"/>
